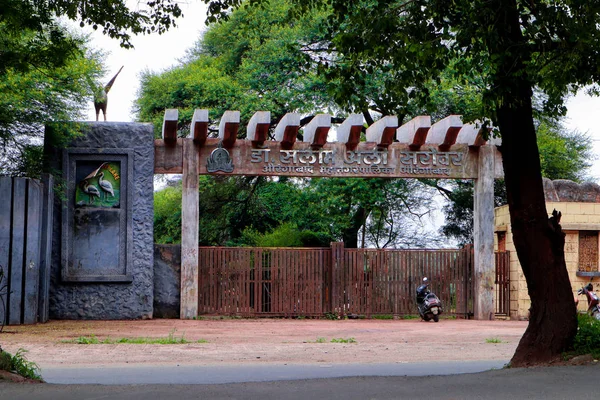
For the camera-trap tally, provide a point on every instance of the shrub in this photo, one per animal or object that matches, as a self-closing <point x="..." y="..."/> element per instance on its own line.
<point x="587" y="340"/>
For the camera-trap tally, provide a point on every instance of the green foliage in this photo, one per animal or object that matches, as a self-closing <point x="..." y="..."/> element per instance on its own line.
<point x="167" y="215"/>
<point x="33" y="97"/>
<point x="5" y="361"/>
<point x="343" y="340"/>
<point x="321" y="340"/>
<point x="170" y="339"/>
<point x="587" y="340"/>
<point x="21" y="366"/>
<point x="493" y="340"/>
<point x="383" y="316"/>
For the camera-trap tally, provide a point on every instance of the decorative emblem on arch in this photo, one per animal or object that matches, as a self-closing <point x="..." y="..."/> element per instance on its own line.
<point x="219" y="160"/>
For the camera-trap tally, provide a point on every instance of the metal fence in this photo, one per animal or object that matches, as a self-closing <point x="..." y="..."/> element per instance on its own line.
<point x="314" y="282"/>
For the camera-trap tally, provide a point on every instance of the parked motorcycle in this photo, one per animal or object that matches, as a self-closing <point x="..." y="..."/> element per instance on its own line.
<point x="429" y="305"/>
<point x="592" y="299"/>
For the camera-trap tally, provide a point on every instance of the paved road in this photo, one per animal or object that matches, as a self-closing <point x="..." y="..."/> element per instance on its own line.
<point x="537" y="383"/>
<point x="217" y="374"/>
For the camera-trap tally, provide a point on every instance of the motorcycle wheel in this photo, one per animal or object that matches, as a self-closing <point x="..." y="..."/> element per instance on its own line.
<point x="436" y="318"/>
<point x="426" y="318"/>
<point x="597" y="316"/>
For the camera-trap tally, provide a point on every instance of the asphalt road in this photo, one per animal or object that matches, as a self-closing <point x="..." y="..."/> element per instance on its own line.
<point x="574" y="382"/>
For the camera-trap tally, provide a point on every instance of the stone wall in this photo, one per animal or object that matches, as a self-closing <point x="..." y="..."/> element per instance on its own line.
<point x="132" y="298"/>
<point x="167" y="280"/>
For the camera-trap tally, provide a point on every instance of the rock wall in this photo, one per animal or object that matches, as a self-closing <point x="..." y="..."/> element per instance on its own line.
<point x="108" y="300"/>
<point x="167" y="280"/>
<point x="562" y="190"/>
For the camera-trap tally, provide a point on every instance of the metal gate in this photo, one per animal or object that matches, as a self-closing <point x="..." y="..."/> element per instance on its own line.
<point x="316" y="281"/>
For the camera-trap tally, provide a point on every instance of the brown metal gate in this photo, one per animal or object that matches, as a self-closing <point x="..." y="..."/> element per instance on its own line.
<point x="264" y="281"/>
<point x="385" y="281"/>
<point x="315" y="281"/>
<point x="502" y="281"/>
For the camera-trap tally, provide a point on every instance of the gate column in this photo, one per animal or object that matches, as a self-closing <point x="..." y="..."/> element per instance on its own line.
<point x="483" y="235"/>
<point x="189" y="232"/>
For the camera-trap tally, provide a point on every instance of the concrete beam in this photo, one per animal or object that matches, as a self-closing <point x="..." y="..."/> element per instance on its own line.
<point x="349" y="131"/>
<point x="315" y="132"/>
<point x="414" y="132"/>
<point x="257" y="130"/>
<point x="199" y="127"/>
<point x="287" y="129"/>
<point x="169" y="128"/>
<point x="443" y="133"/>
<point x="228" y="128"/>
<point x="382" y="131"/>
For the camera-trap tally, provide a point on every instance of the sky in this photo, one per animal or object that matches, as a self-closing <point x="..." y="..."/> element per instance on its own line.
<point x="159" y="52"/>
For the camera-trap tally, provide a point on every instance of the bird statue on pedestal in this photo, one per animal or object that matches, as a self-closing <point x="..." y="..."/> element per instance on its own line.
<point x="105" y="185"/>
<point x="101" y="96"/>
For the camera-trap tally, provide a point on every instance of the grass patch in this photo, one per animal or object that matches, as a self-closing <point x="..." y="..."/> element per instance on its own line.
<point x="342" y="340"/>
<point x="383" y="316"/>
<point x="410" y="317"/>
<point x="321" y="340"/>
<point x="171" y="339"/>
<point x="20" y="365"/>
<point x="493" y="340"/>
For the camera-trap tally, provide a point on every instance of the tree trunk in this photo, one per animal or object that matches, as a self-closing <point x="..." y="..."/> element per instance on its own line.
<point x="539" y="241"/>
<point x="350" y="234"/>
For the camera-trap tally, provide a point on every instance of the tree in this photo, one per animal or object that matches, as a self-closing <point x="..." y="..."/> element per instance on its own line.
<point x="563" y="155"/>
<point x="514" y="47"/>
<point x="32" y="97"/>
<point x="46" y="73"/>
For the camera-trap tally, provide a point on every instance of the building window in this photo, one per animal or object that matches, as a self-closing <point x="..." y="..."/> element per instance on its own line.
<point x="501" y="241"/>
<point x="588" y="251"/>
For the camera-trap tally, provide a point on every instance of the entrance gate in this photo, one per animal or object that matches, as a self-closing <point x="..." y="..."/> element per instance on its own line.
<point x="321" y="282"/>
<point x="445" y="150"/>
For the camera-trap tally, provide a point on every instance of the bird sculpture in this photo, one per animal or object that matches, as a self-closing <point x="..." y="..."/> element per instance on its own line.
<point x="105" y="185"/>
<point x="101" y="96"/>
<point x="90" y="190"/>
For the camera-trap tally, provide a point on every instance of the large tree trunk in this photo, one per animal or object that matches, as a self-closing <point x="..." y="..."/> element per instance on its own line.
<point x="539" y="241"/>
<point x="350" y="234"/>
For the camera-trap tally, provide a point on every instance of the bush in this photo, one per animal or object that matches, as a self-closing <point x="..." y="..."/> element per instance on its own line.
<point x="587" y="340"/>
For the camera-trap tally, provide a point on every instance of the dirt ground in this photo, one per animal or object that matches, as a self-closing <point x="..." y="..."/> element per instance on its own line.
<point x="274" y="341"/>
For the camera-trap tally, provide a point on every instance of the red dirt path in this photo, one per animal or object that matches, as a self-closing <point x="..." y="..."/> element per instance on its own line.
<point x="275" y="341"/>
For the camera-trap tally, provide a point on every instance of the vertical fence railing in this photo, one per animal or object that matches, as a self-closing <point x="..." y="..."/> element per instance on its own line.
<point x="25" y="219"/>
<point x="502" y="282"/>
<point x="313" y="282"/>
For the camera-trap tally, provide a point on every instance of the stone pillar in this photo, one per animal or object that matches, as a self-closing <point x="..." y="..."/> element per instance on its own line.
<point x="483" y="235"/>
<point x="102" y="255"/>
<point x="189" y="232"/>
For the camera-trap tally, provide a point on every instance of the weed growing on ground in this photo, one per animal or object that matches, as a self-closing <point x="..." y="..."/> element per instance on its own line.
<point x="383" y="316"/>
<point x="493" y="340"/>
<point x="342" y="340"/>
<point x="171" y="339"/>
<point x="20" y="365"/>
<point x="321" y="340"/>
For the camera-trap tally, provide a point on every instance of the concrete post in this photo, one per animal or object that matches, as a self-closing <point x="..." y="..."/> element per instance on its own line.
<point x="483" y="235"/>
<point x="189" y="232"/>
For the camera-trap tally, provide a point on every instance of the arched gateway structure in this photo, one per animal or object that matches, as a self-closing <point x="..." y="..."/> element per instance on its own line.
<point x="447" y="149"/>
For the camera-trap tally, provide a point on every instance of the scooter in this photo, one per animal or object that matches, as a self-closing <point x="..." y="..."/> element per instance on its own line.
<point x="592" y="299"/>
<point x="428" y="304"/>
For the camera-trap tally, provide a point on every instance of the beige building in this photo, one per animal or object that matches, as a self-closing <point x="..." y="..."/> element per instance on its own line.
<point x="580" y="208"/>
